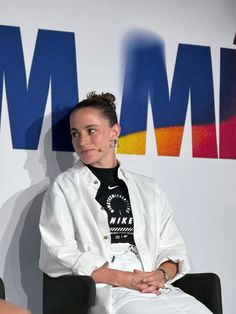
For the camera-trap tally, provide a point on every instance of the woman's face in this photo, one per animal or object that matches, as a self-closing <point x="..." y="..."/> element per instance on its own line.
<point x="93" y="137"/>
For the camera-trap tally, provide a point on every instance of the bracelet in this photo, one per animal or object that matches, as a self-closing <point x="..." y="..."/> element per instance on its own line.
<point x="166" y="277"/>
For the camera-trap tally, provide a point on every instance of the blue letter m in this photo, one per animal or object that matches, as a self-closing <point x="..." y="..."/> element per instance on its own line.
<point x="54" y="61"/>
<point x="146" y="78"/>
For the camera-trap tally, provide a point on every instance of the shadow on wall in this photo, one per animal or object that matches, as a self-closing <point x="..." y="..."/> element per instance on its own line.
<point x="22" y="275"/>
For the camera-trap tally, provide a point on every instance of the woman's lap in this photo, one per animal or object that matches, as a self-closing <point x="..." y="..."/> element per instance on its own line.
<point x="172" y="301"/>
<point x="125" y="301"/>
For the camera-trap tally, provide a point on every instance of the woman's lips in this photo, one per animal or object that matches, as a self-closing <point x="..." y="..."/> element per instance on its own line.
<point x="85" y="151"/>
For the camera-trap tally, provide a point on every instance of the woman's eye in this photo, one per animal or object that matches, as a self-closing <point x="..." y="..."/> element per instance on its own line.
<point x="91" y="131"/>
<point x="74" y="134"/>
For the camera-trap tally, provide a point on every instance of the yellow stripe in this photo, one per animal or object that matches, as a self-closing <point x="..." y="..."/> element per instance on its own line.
<point x="132" y="144"/>
<point x="168" y="142"/>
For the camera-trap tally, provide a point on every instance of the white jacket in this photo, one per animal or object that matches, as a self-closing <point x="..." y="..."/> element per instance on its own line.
<point x="75" y="231"/>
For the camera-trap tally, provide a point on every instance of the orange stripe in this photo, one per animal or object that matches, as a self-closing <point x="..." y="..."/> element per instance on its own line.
<point x="169" y="142"/>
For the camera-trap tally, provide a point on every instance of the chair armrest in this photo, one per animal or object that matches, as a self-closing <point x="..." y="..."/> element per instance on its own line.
<point x="205" y="287"/>
<point x="68" y="294"/>
<point x="2" y="289"/>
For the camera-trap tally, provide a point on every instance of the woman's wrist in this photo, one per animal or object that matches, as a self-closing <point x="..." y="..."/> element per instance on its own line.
<point x="169" y="269"/>
<point x="165" y="275"/>
<point x="123" y="279"/>
<point x="113" y="277"/>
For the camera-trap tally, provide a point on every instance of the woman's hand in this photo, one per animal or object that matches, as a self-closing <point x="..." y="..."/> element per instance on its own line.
<point x="148" y="282"/>
<point x="151" y="282"/>
<point x="145" y="282"/>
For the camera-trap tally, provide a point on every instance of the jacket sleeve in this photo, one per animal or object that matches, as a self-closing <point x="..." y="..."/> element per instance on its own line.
<point x="60" y="254"/>
<point x="172" y="246"/>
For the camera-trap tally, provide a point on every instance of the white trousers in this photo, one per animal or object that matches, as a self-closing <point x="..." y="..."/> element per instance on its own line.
<point x="125" y="301"/>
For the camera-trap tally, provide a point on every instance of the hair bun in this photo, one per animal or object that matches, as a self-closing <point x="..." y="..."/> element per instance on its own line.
<point x="105" y="102"/>
<point x="109" y="99"/>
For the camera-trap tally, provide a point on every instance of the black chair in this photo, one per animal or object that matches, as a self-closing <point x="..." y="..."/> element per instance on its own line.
<point x="68" y="294"/>
<point x="76" y="294"/>
<point x="205" y="287"/>
<point x="2" y="289"/>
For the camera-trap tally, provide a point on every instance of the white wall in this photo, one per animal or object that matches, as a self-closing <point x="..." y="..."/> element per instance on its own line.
<point x="202" y="191"/>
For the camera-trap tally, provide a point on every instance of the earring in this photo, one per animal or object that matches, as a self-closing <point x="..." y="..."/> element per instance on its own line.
<point x="114" y="143"/>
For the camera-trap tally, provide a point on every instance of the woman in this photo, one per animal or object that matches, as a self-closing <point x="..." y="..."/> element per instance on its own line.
<point x="99" y="219"/>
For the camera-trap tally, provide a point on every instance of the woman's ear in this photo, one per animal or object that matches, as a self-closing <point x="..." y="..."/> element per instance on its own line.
<point x="116" y="131"/>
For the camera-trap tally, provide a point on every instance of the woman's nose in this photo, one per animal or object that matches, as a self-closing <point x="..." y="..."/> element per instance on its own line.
<point x="82" y="140"/>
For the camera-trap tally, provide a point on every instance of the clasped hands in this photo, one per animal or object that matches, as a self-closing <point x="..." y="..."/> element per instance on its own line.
<point x="146" y="282"/>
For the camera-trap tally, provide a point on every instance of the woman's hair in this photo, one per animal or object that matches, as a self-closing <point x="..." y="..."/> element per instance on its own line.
<point x="104" y="102"/>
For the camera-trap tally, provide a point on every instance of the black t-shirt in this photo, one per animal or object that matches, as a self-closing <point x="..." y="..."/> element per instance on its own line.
<point x="114" y="198"/>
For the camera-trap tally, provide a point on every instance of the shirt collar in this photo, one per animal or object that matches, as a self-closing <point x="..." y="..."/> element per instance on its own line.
<point x="122" y="172"/>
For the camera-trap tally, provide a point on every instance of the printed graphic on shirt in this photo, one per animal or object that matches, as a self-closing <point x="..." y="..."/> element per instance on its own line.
<point x="112" y="187"/>
<point x="113" y="196"/>
<point x="119" y="215"/>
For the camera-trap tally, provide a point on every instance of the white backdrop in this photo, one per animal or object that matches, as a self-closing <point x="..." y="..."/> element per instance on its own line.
<point x="201" y="190"/>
